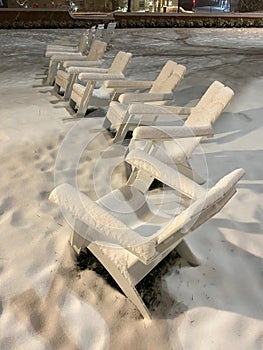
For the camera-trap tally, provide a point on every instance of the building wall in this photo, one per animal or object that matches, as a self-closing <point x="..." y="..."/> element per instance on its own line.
<point x="86" y="5"/>
<point x="102" y="5"/>
<point x="95" y="5"/>
<point x="112" y="5"/>
<point x="40" y="3"/>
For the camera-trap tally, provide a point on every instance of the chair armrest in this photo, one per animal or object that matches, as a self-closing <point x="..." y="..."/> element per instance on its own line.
<point x="129" y="84"/>
<point x="164" y="173"/>
<point x="179" y="110"/>
<point x="142" y="108"/>
<point x="144" y="97"/>
<point x="67" y="56"/>
<point x="82" y="69"/>
<point x="60" y="47"/>
<point x="166" y="133"/>
<point x="73" y="63"/>
<point x="100" y="76"/>
<point x="107" y="227"/>
<point x="54" y="52"/>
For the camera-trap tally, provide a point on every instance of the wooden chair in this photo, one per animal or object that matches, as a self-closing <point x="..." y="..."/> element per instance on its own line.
<point x="85" y="95"/>
<point x="160" y="91"/>
<point x="82" y="46"/>
<point x="129" y="234"/>
<point x="165" y="142"/>
<point x="168" y="142"/>
<point x="91" y="59"/>
<point x="67" y="77"/>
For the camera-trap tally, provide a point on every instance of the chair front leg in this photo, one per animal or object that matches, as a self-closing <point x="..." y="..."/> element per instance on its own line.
<point x="71" y="80"/>
<point x="52" y="71"/>
<point x="84" y="104"/>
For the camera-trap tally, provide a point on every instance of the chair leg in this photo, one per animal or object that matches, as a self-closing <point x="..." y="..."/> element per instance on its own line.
<point x="184" y="250"/>
<point x="84" y="103"/>
<point x="121" y="132"/>
<point x="128" y="289"/>
<point x="189" y="172"/>
<point x="52" y="73"/>
<point x="56" y="88"/>
<point x="72" y="105"/>
<point x="119" y="136"/>
<point x="106" y="123"/>
<point x="81" y="113"/>
<point x="71" y="80"/>
<point x="78" y="241"/>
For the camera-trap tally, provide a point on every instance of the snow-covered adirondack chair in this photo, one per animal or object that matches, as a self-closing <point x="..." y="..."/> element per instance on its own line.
<point x="92" y="59"/>
<point x="124" y="117"/>
<point x="129" y="233"/>
<point x="67" y="77"/>
<point x="159" y="92"/>
<point x="87" y="95"/>
<point x="168" y="143"/>
<point x="82" y="47"/>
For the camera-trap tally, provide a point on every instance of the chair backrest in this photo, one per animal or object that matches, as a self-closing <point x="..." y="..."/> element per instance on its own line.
<point x="109" y="31"/>
<point x="211" y="105"/>
<point x="212" y="200"/>
<point x="99" y="32"/>
<point x="111" y="26"/>
<point x="96" y="51"/>
<point x="84" y="41"/>
<point x="209" y="94"/>
<point x="120" y="62"/>
<point x="118" y="66"/>
<point x="168" y="78"/>
<point x="206" y="112"/>
<point x="204" y="204"/>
